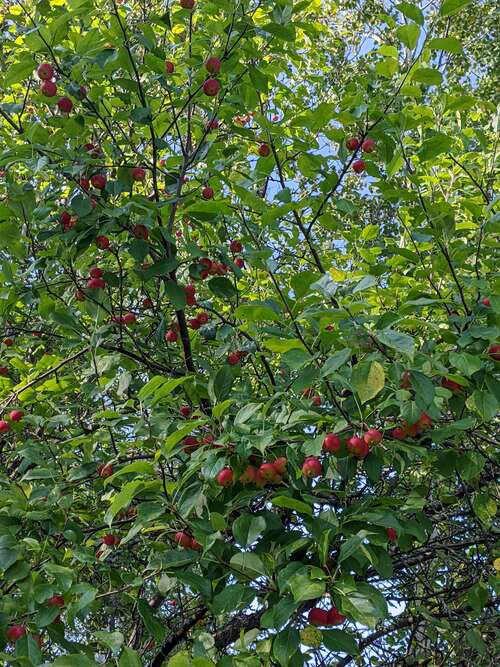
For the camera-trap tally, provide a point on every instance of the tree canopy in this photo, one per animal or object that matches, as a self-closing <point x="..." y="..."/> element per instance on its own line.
<point x="249" y="333"/>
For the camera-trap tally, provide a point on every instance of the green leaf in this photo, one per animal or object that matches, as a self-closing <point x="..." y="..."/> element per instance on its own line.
<point x="9" y="551"/>
<point x="484" y="403"/>
<point x="222" y="287"/>
<point x="434" y="146"/>
<point x="339" y="640"/>
<point x="285" y="644"/>
<point x="175" y="437"/>
<point x="113" y="640"/>
<point x="409" y="34"/>
<point x="336" y="361"/>
<point x="450" y="7"/>
<point x="411" y="11"/>
<point x="247" y="528"/>
<point x="366" y="605"/>
<point x="428" y="76"/>
<point x="449" y="44"/>
<point x="398" y="341"/>
<point x="350" y="547"/>
<point x="248" y="563"/>
<point x="220" y="384"/>
<point x="293" y="504"/>
<point x="256" y="312"/>
<point x="153" y="625"/>
<point x="233" y="597"/>
<point x="176" y="294"/>
<point x="160" y="387"/>
<point x="74" y="660"/>
<point x="304" y="588"/>
<point x="368" y="379"/>
<point x="129" y="658"/>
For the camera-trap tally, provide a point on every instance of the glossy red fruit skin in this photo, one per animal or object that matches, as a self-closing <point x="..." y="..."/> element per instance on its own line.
<point x="317" y="616"/>
<point x="235" y="246"/>
<point x="212" y="124"/>
<point x="207" y="192"/>
<point x="138" y="174"/>
<point x="240" y="263"/>
<point x="45" y="71"/>
<point x="267" y="471"/>
<point x="486" y="302"/>
<point x="368" y="146"/>
<point x="4" y="426"/>
<point x="141" y="232"/>
<point x="16" y="415"/>
<point x="280" y="466"/>
<point x="316" y="401"/>
<point x="147" y="303"/>
<point x="373" y="437"/>
<point x="311" y="467"/>
<point x="399" y="433"/>
<point x="233" y="358"/>
<point x="249" y="475"/>
<point x="56" y="601"/>
<point x="110" y="540"/>
<point x="211" y="87"/>
<point x="15" y="632"/>
<point x="212" y="65"/>
<point x="64" y="104"/>
<point x="194" y="323"/>
<point x="187" y="4"/>
<point x="225" y="477"/>
<point x="8" y="342"/>
<point x="65" y="217"/>
<point x="129" y="318"/>
<point x="357" y="447"/>
<point x="334" y="617"/>
<point x="102" y="242"/>
<point x="202" y="317"/>
<point x="171" y="336"/>
<point x="96" y="283"/>
<point x="48" y="89"/>
<point x="105" y="470"/>
<point x="494" y="352"/>
<point x="4" y="371"/>
<point x="358" y="166"/>
<point x="169" y="67"/>
<point x="96" y="272"/>
<point x="392" y="535"/>
<point x="183" y="539"/>
<point x="352" y="144"/>
<point x="98" y="181"/>
<point x="264" y="150"/>
<point x="331" y="443"/>
<point x="185" y="410"/>
<point x="82" y="93"/>
<point x="453" y="386"/>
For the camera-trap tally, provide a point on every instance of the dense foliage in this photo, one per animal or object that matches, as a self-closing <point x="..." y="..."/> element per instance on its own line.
<point x="249" y="325"/>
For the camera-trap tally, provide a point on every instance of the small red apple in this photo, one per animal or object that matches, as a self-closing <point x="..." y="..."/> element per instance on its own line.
<point x="211" y="87"/>
<point x="240" y="263"/>
<point x="392" y="535"/>
<point x="147" y="303"/>
<point x="64" y="104"/>
<point x="486" y="302"/>
<point x="207" y="192"/>
<point x="249" y="475"/>
<point x="357" y="447"/>
<point x="8" y="342"/>
<point x="373" y="437"/>
<point x="311" y="467"/>
<point x="140" y="232"/>
<point x="56" y="601"/>
<point x="185" y="410"/>
<point x="4" y="371"/>
<point x="96" y="272"/>
<point x="82" y="93"/>
<point x="4" y="426"/>
<point x="138" y="174"/>
<point x="316" y="401"/>
<point x="187" y="4"/>
<point x="264" y="150"/>
<point x="16" y="415"/>
<point x="96" y="283"/>
<point x="98" y="181"/>
<point x="171" y="336"/>
<point x="352" y="144"/>
<point x="225" y="477"/>
<point x="15" y="632"/>
<point x="102" y="242"/>
<point x="280" y="466"/>
<point x="129" y="318"/>
<point x="235" y="246"/>
<point x="169" y="67"/>
<point x="331" y="443"/>
<point x="317" y="616"/>
<point x="334" y="617"/>
<point x="110" y="540"/>
<point x="494" y="352"/>
<point x="202" y="317"/>
<point x="358" y="166"/>
<point x="183" y="539"/>
<point x="267" y="471"/>
<point x="45" y="71"/>
<point x="368" y="146"/>
<point x="233" y="358"/>
<point x="212" y="65"/>
<point x="453" y="386"/>
<point x="105" y="470"/>
<point x="48" y="88"/>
